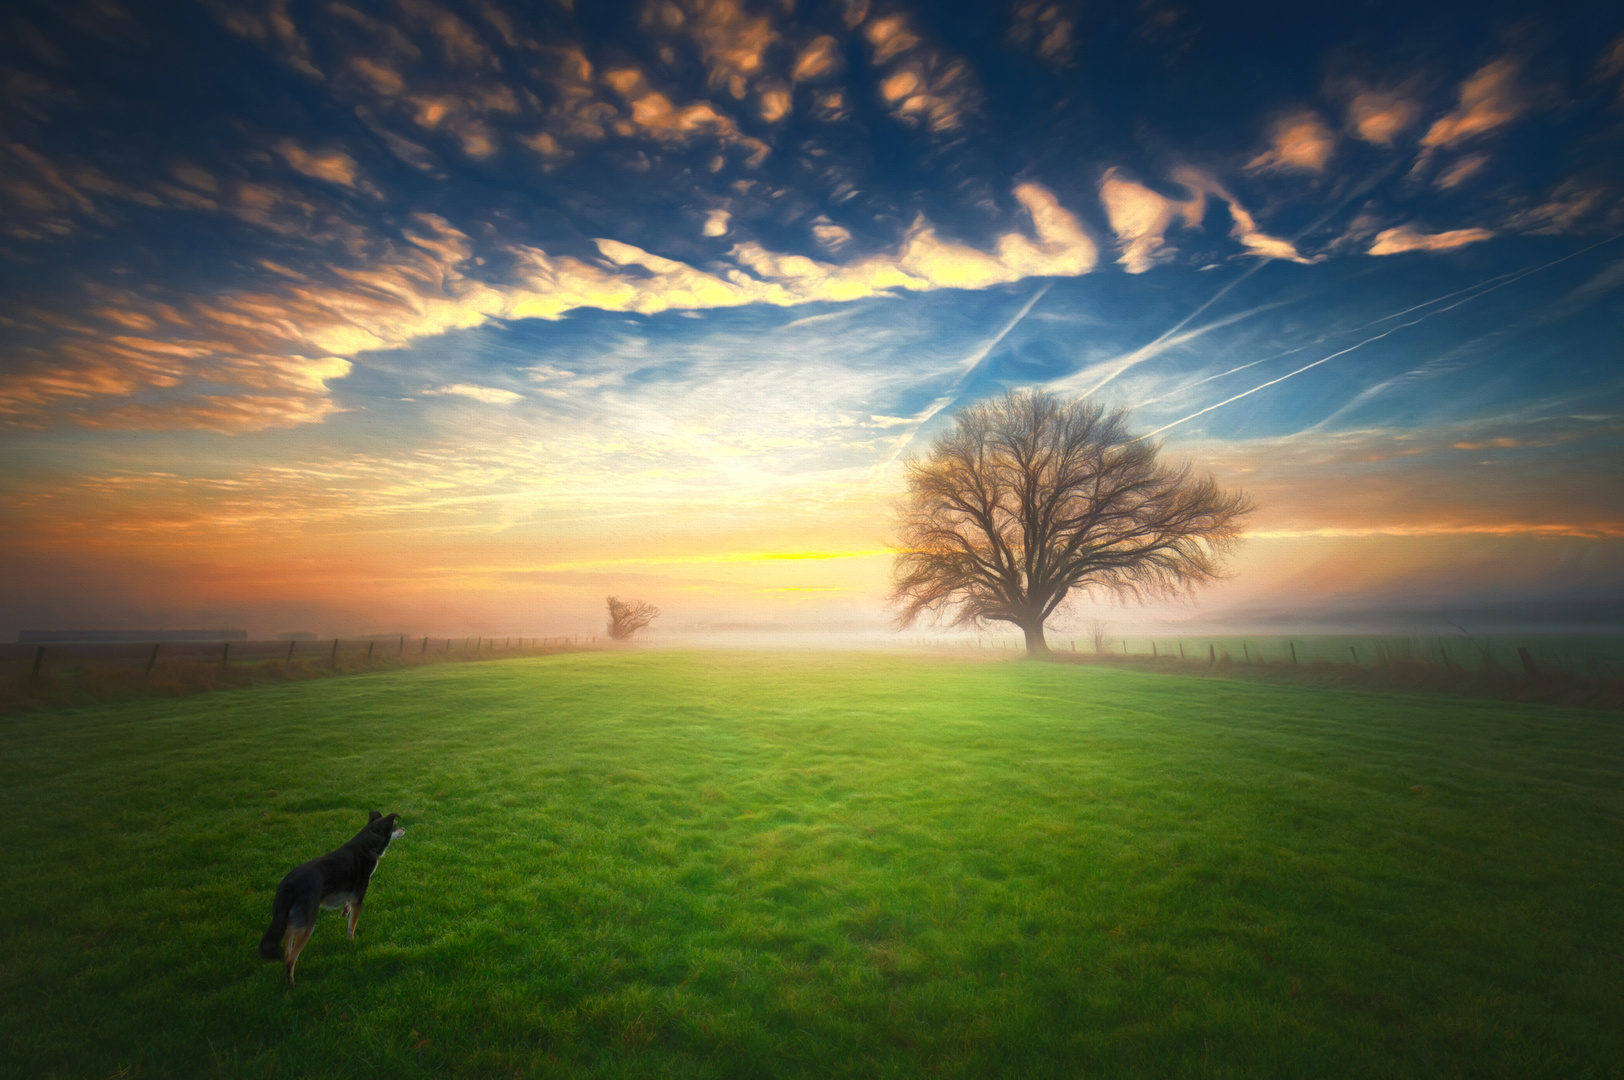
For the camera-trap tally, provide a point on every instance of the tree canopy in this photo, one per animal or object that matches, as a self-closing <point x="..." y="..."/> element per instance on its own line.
<point x="1029" y="499"/>
<point x="627" y="617"/>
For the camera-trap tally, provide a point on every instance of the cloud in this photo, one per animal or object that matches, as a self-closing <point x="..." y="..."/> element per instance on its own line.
<point x="1489" y="99"/>
<point x="820" y="57"/>
<point x="1570" y="206"/>
<point x="1403" y="238"/>
<point x="1048" y="28"/>
<point x="1432" y="481"/>
<point x="263" y="340"/>
<point x="1299" y="142"/>
<point x="1141" y="217"/>
<point x="1461" y="171"/>
<point x="333" y="166"/>
<point x="490" y="395"/>
<point x="653" y="114"/>
<point x="1379" y="116"/>
<point x="384" y="79"/>
<point x="732" y="42"/>
<point x="716" y="223"/>
<point x="921" y="85"/>
<point x="830" y="236"/>
<point x="226" y="414"/>
<point x="273" y="27"/>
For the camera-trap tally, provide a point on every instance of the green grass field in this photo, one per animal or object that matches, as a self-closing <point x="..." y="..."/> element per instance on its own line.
<point x="770" y="865"/>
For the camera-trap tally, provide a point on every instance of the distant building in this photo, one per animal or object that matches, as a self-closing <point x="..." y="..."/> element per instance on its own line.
<point x="52" y="637"/>
<point x="297" y="635"/>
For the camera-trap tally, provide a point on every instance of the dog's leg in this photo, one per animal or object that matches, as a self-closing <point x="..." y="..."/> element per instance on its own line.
<point x="353" y="910"/>
<point x="298" y="937"/>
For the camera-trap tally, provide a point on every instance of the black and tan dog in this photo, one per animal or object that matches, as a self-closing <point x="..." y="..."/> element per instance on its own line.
<point x="337" y="879"/>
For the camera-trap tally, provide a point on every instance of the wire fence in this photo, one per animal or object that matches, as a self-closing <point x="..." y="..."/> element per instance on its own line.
<point x="1533" y="654"/>
<point x="43" y="658"/>
<point x="50" y="675"/>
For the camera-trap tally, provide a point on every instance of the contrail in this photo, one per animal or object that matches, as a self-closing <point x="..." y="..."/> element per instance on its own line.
<point x="1153" y="348"/>
<point x="1220" y="375"/>
<point x="1147" y="351"/>
<point x="1300" y="348"/>
<point x="1353" y="330"/>
<point x="967" y="367"/>
<point x="1480" y="291"/>
<point x="1159" y="346"/>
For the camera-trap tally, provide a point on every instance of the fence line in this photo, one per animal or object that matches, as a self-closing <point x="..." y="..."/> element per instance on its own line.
<point x="1533" y="655"/>
<point x="39" y="659"/>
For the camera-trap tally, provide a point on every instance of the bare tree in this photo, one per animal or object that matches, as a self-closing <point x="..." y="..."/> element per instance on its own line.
<point x="627" y="617"/>
<point x="1029" y="498"/>
<point x="1098" y="629"/>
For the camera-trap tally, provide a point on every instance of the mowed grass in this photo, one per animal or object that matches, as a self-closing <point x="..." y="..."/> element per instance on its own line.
<point x="775" y="865"/>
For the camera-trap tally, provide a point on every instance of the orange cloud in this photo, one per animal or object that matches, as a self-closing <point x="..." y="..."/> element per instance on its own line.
<point x="1491" y="98"/>
<point x="820" y="57"/>
<point x="1403" y="238"/>
<point x="653" y="114"/>
<point x="293" y="340"/>
<point x="1141" y="217"/>
<point x="384" y="79"/>
<point x="1047" y="28"/>
<point x="1567" y="208"/>
<point x="1461" y="171"/>
<point x="1380" y="116"/>
<point x="333" y="166"/>
<point x="1382" y="482"/>
<point x="924" y="86"/>
<point x="1301" y="142"/>
<point x="732" y="42"/>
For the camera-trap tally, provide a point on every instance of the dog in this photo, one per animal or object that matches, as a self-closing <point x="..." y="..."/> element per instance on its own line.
<point x="337" y="879"/>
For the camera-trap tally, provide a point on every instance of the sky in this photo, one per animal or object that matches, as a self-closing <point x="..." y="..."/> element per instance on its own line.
<point x="454" y="318"/>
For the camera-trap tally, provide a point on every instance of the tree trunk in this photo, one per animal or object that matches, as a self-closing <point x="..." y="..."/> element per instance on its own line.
<point x="1036" y="647"/>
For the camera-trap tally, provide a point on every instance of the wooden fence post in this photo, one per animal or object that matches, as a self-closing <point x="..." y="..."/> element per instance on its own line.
<point x="225" y="654"/>
<point x="1181" y="650"/>
<point x="1293" y="645"/>
<point x="39" y="661"/>
<point x="152" y="657"/>
<point x="1212" y="653"/>
<point x="1355" y="653"/>
<point x="1530" y="668"/>
<point x="370" y="646"/>
<point x="291" y="644"/>
<point x="1153" y="654"/>
<point x="334" y="656"/>
<point x="424" y="650"/>
<point x="1245" y="652"/>
<point x="402" y="650"/>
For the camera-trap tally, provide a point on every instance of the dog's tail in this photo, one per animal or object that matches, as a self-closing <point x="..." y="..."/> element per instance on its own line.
<point x="270" y="946"/>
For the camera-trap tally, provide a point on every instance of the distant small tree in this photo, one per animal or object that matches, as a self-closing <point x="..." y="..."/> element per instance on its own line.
<point x="627" y="617"/>
<point x="1098" y="629"/>
<point x="1029" y="498"/>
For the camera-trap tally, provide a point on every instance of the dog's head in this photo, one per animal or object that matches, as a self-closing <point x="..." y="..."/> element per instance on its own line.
<point x="380" y="830"/>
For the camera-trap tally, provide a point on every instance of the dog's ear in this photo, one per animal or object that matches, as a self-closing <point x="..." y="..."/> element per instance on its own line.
<point x="373" y="816"/>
